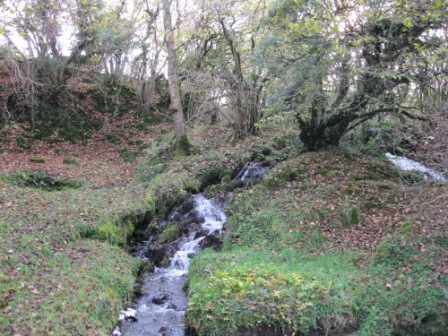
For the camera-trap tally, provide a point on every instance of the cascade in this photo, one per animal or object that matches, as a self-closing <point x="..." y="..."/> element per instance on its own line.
<point x="407" y="164"/>
<point x="161" y="308"/>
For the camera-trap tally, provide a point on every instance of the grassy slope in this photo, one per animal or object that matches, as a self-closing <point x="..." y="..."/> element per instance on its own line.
<point x="329" y="243"/>
<point x="52" y="279"/>
<point x="294" y="257"/>
<point x="62" y="272"/>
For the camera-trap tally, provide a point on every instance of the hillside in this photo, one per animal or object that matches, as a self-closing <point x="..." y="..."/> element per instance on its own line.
<point x="329" y="242"/>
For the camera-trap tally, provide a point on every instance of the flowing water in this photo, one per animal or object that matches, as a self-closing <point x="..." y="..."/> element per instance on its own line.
<point x="161" y="308"/>
<point x="407" y="164"/>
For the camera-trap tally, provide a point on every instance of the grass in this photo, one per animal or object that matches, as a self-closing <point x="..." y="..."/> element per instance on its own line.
<point x="300" y="256"/>
<point x="53" y="280"/>
<point x="40" y="180"/>
<point x="69" y="161"/>
<point x="63" y="271"/>
<point x="328" y="243"/>
<point x="249" y="290"/>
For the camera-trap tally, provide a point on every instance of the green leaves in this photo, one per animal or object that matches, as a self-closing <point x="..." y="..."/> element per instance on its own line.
<point x="408" y="22"/>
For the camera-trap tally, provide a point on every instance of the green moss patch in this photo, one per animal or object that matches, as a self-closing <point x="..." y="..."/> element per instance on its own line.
<point x="41" y="180"/>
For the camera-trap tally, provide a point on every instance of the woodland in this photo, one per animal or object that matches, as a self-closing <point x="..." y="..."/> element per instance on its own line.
<point x="112" y="113"/>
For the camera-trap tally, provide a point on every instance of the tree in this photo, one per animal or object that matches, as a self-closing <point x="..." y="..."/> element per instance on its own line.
<point x="339" y="64"/>
<point x="182" y="143"/>
<point x="54" y="42"/>
<point x="217" y="63"/>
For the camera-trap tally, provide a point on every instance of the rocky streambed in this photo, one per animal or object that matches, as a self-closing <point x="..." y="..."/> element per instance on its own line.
<point x="162" y="301"/>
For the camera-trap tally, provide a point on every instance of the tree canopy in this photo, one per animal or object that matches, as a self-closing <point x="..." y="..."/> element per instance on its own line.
<point x="331" y="64"/>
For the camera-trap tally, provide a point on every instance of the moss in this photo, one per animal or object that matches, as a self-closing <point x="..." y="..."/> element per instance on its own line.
<point x="183" y="147"/>
<point x="170" y="233"/>
<point x="113" y="233"/>
<point x="41" y="180"/>
<point x="36" y="160"/>
<point x="69" y="161"/>
<point x="350" y="216"/>
<point x="168" y="190"/>
<point x="393" y="251"/>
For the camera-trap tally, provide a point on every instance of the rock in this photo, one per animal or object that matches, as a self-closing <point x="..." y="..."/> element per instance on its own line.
<point x="211" y="241"/>
<point x="160" y="298"/>
<point x="156" y="253"/>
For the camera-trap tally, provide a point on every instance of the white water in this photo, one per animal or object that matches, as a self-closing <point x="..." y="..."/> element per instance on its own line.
<point x="161" y="309"/>
<point x="252" y="170"/>
<point x="213" y="217"/>
<point x="407" y="164"/>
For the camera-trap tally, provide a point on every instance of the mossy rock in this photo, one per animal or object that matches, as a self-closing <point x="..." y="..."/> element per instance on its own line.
<point x="36" y="160"/>
<point x="350" y="216"/>
<point x="115" y="234"/>
<point x="170" y="233"/>
<point x="69" y="161"/>
<point x="168" y="190"/>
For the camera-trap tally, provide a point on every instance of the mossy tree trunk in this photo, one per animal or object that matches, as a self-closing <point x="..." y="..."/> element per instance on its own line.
<point x="182" y="144"/>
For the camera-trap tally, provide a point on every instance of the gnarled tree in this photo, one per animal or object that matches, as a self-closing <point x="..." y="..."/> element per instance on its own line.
<point x="338" y="64"/>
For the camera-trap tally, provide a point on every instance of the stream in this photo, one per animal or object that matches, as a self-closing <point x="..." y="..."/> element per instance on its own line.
<point x="161" y="308"/>
<point x="407" y="164"/>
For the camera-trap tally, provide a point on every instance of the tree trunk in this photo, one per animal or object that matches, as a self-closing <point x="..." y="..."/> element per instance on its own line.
<point x="182" y="145"/>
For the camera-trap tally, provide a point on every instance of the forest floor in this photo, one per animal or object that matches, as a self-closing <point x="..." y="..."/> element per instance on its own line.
<point x="365" y="240"/>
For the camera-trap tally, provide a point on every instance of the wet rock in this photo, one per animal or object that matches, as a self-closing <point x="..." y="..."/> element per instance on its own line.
<point x="160" y="298"/>
<point x="211" y="241"/>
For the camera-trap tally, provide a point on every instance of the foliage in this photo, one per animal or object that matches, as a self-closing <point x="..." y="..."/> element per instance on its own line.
<point x="331" y="65"/>
<point x="41" y="180"/>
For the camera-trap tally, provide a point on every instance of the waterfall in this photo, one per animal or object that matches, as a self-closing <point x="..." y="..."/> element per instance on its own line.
<point x="161" y="309"/>
<point x="407" y="164"/>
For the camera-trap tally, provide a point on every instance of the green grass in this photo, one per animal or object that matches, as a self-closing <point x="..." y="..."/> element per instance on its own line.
<point x="36" y="160"/>
<point x="40" y="180"/>
<point x="69" y="161"/>
<point x="246" y="289"/>
<point x="54" y="280"/>
<point x="291" y="264"/>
